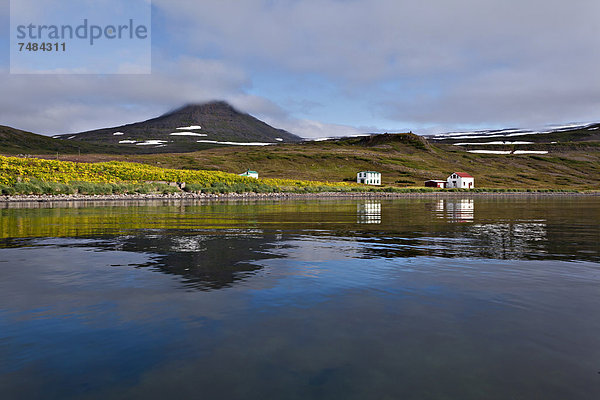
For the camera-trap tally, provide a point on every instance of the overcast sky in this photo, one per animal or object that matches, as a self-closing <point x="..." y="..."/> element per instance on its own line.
<point x="335" y="67"/>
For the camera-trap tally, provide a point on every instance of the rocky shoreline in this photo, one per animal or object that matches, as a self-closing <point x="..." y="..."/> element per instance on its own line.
<point x="259" y="196"/>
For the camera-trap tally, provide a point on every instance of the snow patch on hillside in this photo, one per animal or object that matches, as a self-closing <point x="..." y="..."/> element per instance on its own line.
<point x="484" y="143"/>
<point x="236" y="143"/>
<point x="187" y="134"/>
<point x="506" y="152"/>
<point x="490" y="151"/>
<point x="151" y="142"/>
<point x="530" y="152"/>
<point x="191" y="127"/>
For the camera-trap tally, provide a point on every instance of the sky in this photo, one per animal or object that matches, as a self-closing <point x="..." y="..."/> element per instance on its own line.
<point x="321" y="68"/>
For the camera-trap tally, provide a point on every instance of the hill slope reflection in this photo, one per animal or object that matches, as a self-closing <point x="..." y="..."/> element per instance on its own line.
<point x="206" y="261"/>
<point x="214" y="245"/>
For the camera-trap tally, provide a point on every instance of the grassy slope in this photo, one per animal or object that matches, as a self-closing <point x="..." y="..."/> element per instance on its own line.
<point x="402" y="163"/>
<point x="35" y="175"/>
<point x="15" y="141"/>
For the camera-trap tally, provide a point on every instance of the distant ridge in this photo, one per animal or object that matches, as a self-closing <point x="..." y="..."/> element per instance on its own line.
<point x="217" y="124"/>
<point x="212" y="124"/>
<point x="16" y="141"/>
<point x="569" y="133"/>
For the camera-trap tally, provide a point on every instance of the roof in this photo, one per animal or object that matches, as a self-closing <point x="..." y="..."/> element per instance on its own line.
<point x="436" y="180"/>
<point x="250" y="172"/>
<point x="463" y="174"/>
<point x="372" y="172"/>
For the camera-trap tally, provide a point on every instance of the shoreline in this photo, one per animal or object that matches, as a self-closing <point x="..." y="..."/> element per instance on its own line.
<point x="265" y="196"/>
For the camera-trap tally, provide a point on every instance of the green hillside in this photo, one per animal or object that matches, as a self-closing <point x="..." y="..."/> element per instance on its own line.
<point x="403" y="159"/>
<point x="15" y="141"/>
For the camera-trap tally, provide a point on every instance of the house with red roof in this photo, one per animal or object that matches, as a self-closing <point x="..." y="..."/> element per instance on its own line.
<point x="460" y="180"/>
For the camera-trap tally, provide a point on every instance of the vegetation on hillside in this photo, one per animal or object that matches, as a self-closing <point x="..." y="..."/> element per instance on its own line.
<point x="15" y="141"/>
<point x="403" y="163"/>
<point x="39" y="176"/>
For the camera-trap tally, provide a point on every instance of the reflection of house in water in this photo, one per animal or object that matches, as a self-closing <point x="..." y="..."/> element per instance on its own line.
<point x="457" y="210"/>
<point x="439" y="208"/>
<point x="368" y="212"/>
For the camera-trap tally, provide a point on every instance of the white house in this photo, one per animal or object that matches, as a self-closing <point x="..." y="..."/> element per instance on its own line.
<point x="251" y="174"/>
<point x="369" y="177"/>
<point x="460" y="180"/>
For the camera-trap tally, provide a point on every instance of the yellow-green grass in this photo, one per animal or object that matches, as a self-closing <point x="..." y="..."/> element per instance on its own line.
<point x="14" y="170"/>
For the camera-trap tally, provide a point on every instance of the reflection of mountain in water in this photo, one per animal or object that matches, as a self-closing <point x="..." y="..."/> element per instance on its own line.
<point x="508" y="241"/>
<point x="205" y="261"/>
<point x="493" y="241"/>
<point x="200" y="242"/>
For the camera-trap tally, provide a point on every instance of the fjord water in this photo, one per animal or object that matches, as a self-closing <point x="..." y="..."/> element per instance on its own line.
<point x="420" y="298"/>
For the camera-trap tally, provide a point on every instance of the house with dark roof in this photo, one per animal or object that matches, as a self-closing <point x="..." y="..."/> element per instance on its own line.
<point x="369" y="177"/>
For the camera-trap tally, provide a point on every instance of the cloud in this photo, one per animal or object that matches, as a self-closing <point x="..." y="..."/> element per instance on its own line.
<point x="375" y="39"/>
<point x="315" y="129"/>
<point x="73" y="103"/>
<point x="69" y="103"/>
<point x="455" y="63"/>
<point x="376" y="63"/>
<point x="522" y="97"/>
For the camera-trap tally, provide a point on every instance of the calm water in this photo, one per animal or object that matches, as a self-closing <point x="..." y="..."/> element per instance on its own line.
<point x="329" y="299"/>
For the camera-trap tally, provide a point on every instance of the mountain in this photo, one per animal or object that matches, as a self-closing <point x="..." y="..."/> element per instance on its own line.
<point x="558" y="134"/>
<point x="217" y="124"/>
<point x="16" y="141"/>
<point x="192" y="127"/>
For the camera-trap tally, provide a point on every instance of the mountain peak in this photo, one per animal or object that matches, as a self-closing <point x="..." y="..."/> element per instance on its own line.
<point x="191" y="127"/>
<point x="211" y="106"/>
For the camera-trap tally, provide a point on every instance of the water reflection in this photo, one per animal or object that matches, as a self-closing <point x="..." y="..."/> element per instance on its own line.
<point x="204" y="260"/>
<point x="368" y="212"/>
<point x="456" y="210"/>
<point x="509" y="241"/>
<point x="553" y="228"/>
<point x="303" y="299"/>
